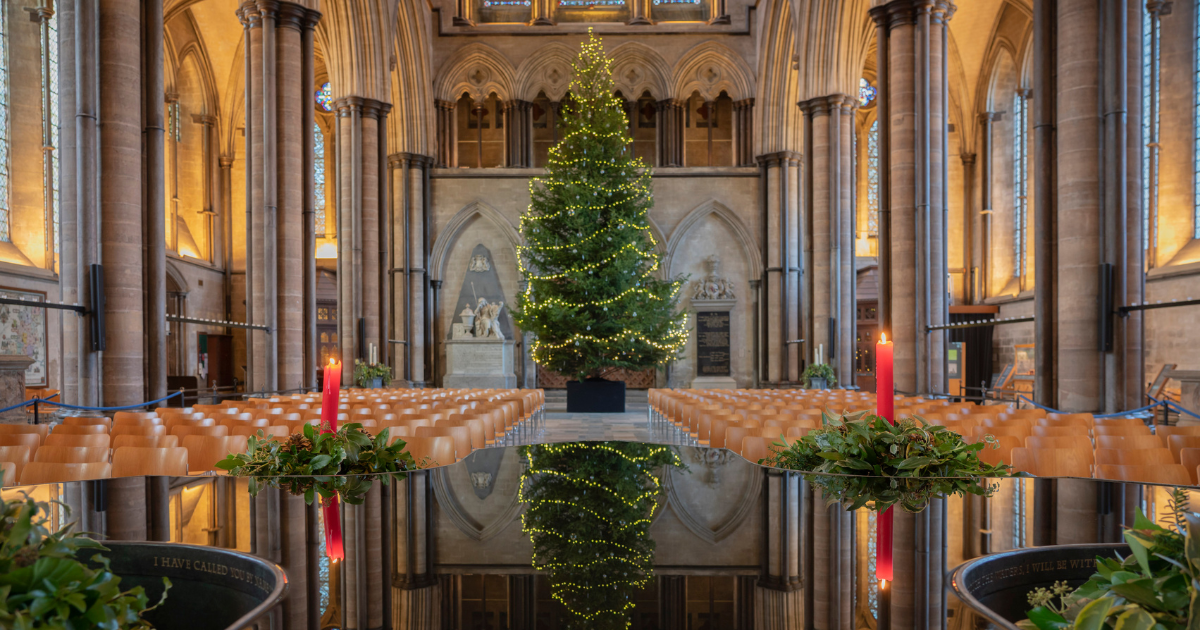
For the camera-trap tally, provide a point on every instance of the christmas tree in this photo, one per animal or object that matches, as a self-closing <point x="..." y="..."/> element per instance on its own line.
<point x="590" y="505"/>
<point x="594" y="300"/>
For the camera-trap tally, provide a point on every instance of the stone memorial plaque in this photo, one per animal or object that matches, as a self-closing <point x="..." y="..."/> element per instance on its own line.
<point x="712" y="343"/>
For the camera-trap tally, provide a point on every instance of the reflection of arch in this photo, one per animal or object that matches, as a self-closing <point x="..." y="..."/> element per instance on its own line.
<point x="639" y="68"/>
<point x="478" y="70"/>
<point x="548" y="70"/>
<point x="709" y="69"/>
<point x="743" y="236"/>
<point x="449" y="235"/>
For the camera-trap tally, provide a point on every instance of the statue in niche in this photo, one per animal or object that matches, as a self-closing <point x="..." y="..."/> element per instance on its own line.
<point x="479" y="264"/>
<point x="713" y="286"/>
<point x="487" y="320"/>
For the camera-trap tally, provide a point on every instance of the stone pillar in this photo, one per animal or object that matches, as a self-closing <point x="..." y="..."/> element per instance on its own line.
<point x="416" y="604"/>
<point x="308" y="254"/>
<point x="543" y="12"/>
<point x="672" y="602"/>
<point x="844" y="221"/>
<point x="779" y="592"/>
<point x="743" y="132"/>
<point x="639" y="13"/>
<point x="154" y="201"/>
<point x="293" y="557"/>
<point x="447" y="134"/>
<point x="915" y="125"/>
<point x="968" y="217"/>
<point x="12" y="387"/>
<point x="832" y="542"/>
<point x="125" y="509"/>
<point x="121" y="217"/>
<point x="409" y="173"/>
<point x="1045" y="213"/>
<point x="522" y="602"/>
<point x="670" y="132"/>
<point x="782" y="236"/>
<point x="918" y="557"/>
<point x="279" y="39"/>
<point x="518" y="146"/>
<point x="984" y="254"/>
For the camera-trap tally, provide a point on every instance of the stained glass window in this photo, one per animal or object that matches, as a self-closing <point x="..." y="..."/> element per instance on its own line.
<point x="1196" y="132"/>
<point x="866" y="92"/>
<point x="319" y="178"/>
<point x="576" y="4"/>
<point x="1150" y="117"/>
<point x="50" y="86"/>
<point x="873" y="179"/>
<point x="1020" y="182"/>
<point x="325" y="97"/>
<point x="872" y="582"/>
<point x="4" y="172"/>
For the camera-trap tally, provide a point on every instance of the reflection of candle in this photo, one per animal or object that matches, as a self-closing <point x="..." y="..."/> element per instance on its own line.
<point x="885" y="393"/>
<point x="885" y="407"/>
<point x="329" y="394"/>
<point x="333" y="529"/>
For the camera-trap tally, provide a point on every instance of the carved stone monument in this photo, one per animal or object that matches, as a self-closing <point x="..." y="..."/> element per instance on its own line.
<point x="713" y="300"/>
<point x="479" y="353"/>
<point x="12" y="387"/>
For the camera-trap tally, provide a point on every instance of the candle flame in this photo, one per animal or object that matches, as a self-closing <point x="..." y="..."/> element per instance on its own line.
<point x="883" y="585"/>
<point x="883" y="339"/>
<point x="332" y="362"/>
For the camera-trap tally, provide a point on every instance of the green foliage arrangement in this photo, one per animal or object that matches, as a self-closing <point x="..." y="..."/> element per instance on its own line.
<point x="590" y="505"/>
<point x="43" y="584"/>
<point x="861" y="460"/>
<point x="365" y="372"/>
<point x="325" y="464"/>
<point x="1156" y="588"/>
<point x="594" y="300"/>
<point x="818" y="370"/>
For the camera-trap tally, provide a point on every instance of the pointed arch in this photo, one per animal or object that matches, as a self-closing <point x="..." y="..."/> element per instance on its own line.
<point x="356" y="38"/>
<point x="476" y="69"/>
<point x="739" y="231"/>
<point x="777" y="120"/>
<point x="449" y="234"/>
<point x="638" y="68"/>
<point x="548" y="70"/>
<point x="710" y="68"/>
<point x="412" y="126"/>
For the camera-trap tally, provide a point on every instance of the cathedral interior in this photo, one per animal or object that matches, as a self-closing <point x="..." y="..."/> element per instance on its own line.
<point x="222" y="196"/>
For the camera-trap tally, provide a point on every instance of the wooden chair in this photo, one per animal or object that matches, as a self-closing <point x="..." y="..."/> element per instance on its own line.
<point x="1081" y="442"/>
<point x="18" y="456"/>
<point x="31" y="440"/>
<point x="474" y="424"/>
<point x="78" y="421"/>
<point x="1060" y="431"/>
<point x="9" y="472"/>
<point x="77" y="429"/>
<point x="1082" y="420"/>
<point x="460" y="435"/>
<point x="71" y="454"/>
<point x="95" y="440"/>
<point x="1169" y="474"/>
<point x="132" y="461"/>
<point x="183" y="431"/>
<point x="430" y="452"/>
<point x="45" y="472"/>
<point x="1139" y="429"/>
<point x="1190" y="459"/>
<point x="40" y="430"/>
<point x="204" y="451"/>
<point x="1119" y="422"/>
<point x="189" y="422"/>
<point x="1053" y="462"/>
<point x="1165" y="432"/>
<point x="148" y="441"/>
<point x="1128" y="442"/>
<point x="137" y="422"/>
<point x="1003" y="452"/>
<point x="1178" y="443"/>
<point x="755" y="449"/>
<point x="279" y="433"/>
<point x="129" y="415"/>
<point x="1133" y="457"/>
<point x="1019" y="432"/>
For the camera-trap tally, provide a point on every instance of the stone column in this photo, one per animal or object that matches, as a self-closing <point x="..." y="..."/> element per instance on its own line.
<point x="413" y="582"/>
<point x="984" y="254"/>
<point x="832" y="574"/>
<point x="670" y="132"/>
<point x="308" y="257"/>
<point x="543" y="12"/>
<point x="154" y="201"/>
<point x="522" y="602"/>
<point x="779" y="592"/>
<point x="121" y="218"/>
<point x="782" y="235"/>
<point x="1045" y="214"/>
<point x="743" y="132"/>
<point x="12" y="387"/>
<point x="447" y="134"/>
<point x="639" y="13"/>
<point x="968" y="217"/>
<point x="847" y="309"/>
<point x="918" y="557"/>
<point x="518" y="149"/>
<point x="125" y="509"/>
<point x="912" y="94"/>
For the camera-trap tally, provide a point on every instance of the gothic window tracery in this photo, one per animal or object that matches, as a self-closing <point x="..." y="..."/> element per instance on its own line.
<point x="1150" y="125"/>
<point x="319" y="179"/>
<point x="324" y="97"/>
<point x="5" y="234"/>
<point x="873" y="180"/>
<point x="866" y="92"/>
<point x="1020" y="182"/>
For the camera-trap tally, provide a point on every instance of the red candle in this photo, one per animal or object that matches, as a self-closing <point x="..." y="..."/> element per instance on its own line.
<point x="329" y="395"/>
<point x="333" y="529"/>
<point x="885" y="407"/>
<point x="885" y="392"/>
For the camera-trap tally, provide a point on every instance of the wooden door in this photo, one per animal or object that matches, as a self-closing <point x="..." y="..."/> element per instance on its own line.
<point x="220" y="361"/>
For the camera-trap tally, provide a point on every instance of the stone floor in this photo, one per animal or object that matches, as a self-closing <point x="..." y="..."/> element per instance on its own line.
<point x="632" y="426"/>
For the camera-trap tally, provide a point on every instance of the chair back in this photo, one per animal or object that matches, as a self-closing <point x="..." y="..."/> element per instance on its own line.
<point x="71" y="454"/>
<point x="18" y="456"/>
<point x="98" y="439"/>
<point x="204" y="451"/>
<point x="150" y="441"/>
<point x="1120" y="422"/>
<point x="78" y="421"/>
<point x="79" y="429"/>
<point x="1165" y="432"/>
<point x="1131" y="429"/>
<point x="1060" y="431"/>
<point x="135" y="421"/>
<point x="132" y="461"/>
<point x="40" y="430"/>
<point x="1133" y="457"/>
<point x="1082" y="442"/>
<point x="460" y="435"/>
<point x="279" y="433"/>
<point x="1179" y="442"/>
<point x="9" y="472"/>
<point x="1053" y="462"/>
<point x="1128" y="442"/>
<point x="46" y="472"/>
<point x="474" y="424"/>
<point x="183" y="431"/>
<point x="1170" y="474"/>
<point x="1083" y="420"/>
<point x="31" y="440"/>
<point x="1002" y="451"/>
<point x="430" y="452"/>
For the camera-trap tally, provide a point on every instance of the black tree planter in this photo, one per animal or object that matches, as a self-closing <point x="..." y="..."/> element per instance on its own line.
<point x="596" y="395"/>
<point x="211" y="588"/>
<point x="997" y="586"/>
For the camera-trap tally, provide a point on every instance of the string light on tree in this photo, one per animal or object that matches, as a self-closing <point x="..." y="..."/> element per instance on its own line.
<point x="593" y="299"/>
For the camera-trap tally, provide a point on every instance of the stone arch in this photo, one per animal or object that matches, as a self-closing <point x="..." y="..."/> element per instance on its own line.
<point x="639" y="68"/>
<point x="449" y="234"/>
<point x="709" y="69"/>
<point x="476" y="69"/>
<point x="548" y="70"/>
<point x="744" y="238"/>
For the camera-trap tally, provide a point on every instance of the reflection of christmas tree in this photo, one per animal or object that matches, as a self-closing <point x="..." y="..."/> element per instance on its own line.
<point x="594" y="301"/>
<point x="589" y="510"/>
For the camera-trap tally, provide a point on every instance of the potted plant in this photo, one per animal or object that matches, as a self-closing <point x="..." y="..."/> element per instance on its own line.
<point x="371" y="375"/>
<point x="818" y="376"/>
<point x="861" y="460"/>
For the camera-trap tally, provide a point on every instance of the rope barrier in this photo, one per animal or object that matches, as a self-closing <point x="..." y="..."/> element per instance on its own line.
<point x="1179" y="409"/>
<point x="17" y="406"/>
<point x="125" y="408"/>
<point x="1119" y="414"/>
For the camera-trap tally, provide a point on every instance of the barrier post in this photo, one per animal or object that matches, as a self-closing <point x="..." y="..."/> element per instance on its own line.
<point x="36" y="417"/>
